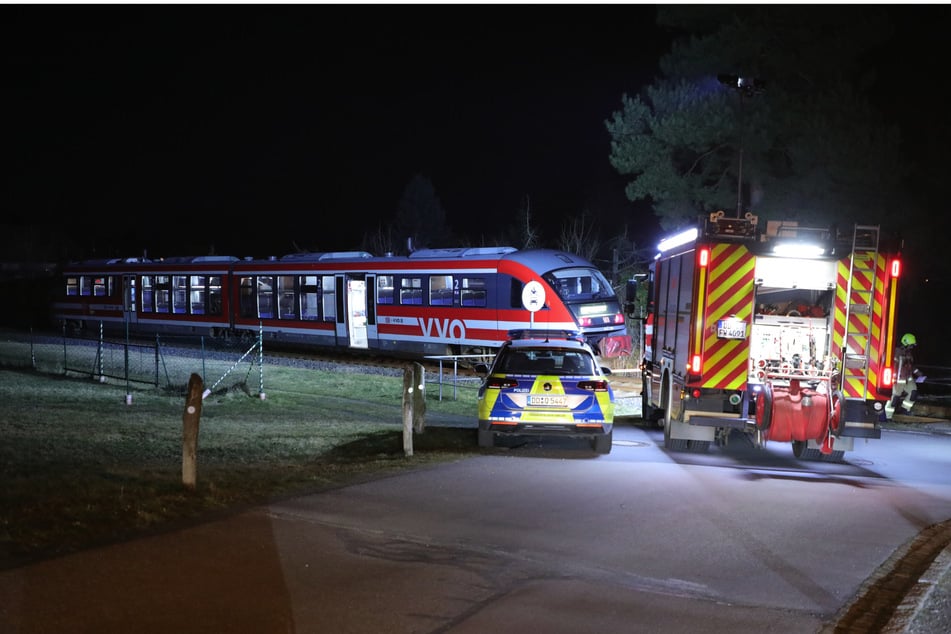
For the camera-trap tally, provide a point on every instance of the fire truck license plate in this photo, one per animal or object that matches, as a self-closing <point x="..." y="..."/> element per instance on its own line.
<point x="731" y="329"/>
<point x="545" y="399"/>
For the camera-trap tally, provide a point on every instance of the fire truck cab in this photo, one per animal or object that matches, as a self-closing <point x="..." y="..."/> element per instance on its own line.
<point x="785" y="334"/>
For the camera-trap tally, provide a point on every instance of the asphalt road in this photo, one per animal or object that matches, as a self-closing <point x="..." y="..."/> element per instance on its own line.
<point x="545" y="537"/>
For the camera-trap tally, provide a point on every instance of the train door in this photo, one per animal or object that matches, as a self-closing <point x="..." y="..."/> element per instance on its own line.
<point x="370" y="298"/>
<point x="128" y="299"/>
<point x="351" y="307"/>
<point x="356" y="310"/>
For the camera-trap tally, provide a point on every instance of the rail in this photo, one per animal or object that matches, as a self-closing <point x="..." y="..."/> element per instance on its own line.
<point x="455" y="358"/>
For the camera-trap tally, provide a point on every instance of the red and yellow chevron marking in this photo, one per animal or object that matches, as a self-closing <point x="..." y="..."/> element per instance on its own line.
<point x="729" y="293"/>
<point x="863" y="282"/>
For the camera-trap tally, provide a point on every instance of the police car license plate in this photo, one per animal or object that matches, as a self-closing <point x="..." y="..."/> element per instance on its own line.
<point x="549" y="400"/>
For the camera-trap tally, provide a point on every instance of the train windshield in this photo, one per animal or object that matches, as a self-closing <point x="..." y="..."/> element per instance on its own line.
<point x="579" y="284"/>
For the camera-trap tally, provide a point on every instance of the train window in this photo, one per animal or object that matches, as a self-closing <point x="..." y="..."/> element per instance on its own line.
<point x="329" y="297"/>
<point x="515" y="294"/>
<point x="579" y="284"/>
<point x="266" y="296"/>
<point x="179" y="294"/>
<point x="72" y="286"/>
<point x="384" y="289"/>
<point x="148" y="295"/>
<point x="214" y="295"/>
<point x="101" y="286"/>
<point x="411" y="290"/>
<point x="247" y="305"/>
<point x="285" y="297"/>
<point x="472" y="292"/>
<point x="440" y="290"/>
<point x="196" y="294"/>
<point x="309" y="297"/>
<point x="85" y="285"/>
<point x="162" y="291"/>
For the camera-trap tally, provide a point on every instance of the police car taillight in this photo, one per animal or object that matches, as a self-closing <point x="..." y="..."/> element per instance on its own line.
<point x="500" y="382"/>
<point x="594" y="386"/>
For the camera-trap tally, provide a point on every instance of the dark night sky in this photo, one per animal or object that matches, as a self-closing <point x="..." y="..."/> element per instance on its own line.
<point x="257" y="127"/>
<point x="261" y="127"/>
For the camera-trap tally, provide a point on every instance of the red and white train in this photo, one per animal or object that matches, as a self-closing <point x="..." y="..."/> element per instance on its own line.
<point x="432" y="302"/>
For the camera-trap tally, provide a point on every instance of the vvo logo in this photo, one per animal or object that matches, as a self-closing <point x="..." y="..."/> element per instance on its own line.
<point x="454" y="329"/>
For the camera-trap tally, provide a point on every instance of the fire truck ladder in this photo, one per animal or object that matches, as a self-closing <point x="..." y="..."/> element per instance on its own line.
<point x="857" y="343"/>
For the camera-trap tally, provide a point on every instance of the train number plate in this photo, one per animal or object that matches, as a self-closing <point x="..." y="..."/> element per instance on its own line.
<point x="549" y="400"/>
<point x="731" y="329"/>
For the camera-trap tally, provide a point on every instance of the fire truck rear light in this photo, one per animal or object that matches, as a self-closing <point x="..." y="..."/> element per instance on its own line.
<point x="695" y="364"/>
<point x="704" y="257"/>
<point x="896" y="268"/>
<point x="887" y="377"/>
<point x="695" y="393"/>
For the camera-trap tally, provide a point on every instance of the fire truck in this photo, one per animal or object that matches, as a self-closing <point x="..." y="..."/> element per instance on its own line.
<point x="785" y="334"/>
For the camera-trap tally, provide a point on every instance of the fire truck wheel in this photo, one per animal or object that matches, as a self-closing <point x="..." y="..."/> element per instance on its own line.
<point x="801" y="449"/>
<point x="764" y="407"/>
<point x="698" y="446"/>
<point x="673" y="444"/>
<point x="835" y="456"/>
<point x="838" y="420"/>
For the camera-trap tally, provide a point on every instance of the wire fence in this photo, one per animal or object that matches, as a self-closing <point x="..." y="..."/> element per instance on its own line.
<point x="164" y="362"/>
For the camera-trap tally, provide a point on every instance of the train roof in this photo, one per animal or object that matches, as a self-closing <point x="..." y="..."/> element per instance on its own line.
<point x="536" y="259"/>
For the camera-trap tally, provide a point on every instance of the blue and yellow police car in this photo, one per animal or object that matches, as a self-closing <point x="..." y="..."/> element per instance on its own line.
<point x="546" y="383"/>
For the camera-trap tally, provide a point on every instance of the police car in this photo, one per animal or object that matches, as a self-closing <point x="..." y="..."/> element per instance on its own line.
<point x="546" y="383"/>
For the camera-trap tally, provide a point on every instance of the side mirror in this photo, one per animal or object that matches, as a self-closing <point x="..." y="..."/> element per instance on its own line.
<point x="605" y="370"/>
<point x="481" y="368"/>
<point x="630" y="298"/>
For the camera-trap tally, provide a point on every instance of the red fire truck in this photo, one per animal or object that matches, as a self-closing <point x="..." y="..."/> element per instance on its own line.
<point x="785" y="334"/>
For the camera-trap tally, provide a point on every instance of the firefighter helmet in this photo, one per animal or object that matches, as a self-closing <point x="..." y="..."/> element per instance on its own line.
<point x="908" y="339"/>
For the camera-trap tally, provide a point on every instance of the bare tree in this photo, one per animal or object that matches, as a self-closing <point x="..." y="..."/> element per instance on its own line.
<point x="579" y="236"/>
<point x="381" y="242"/>
<point x="528" y="235"/>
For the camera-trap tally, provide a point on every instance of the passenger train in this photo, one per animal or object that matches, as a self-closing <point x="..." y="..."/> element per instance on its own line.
<point x="432" y="302"/>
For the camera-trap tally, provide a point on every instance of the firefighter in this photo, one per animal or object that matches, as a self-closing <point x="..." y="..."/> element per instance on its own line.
<point x="905" y="392"/>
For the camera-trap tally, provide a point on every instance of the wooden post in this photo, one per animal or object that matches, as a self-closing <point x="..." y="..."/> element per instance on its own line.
<point x="419" y="398"/>
<point x="408" y="390"/>
<point x="190" y="420"/>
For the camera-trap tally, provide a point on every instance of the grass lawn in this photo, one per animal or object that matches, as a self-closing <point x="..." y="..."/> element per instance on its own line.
<point x="81" y="467"/>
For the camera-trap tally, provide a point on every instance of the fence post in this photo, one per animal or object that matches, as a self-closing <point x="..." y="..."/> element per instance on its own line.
<point x="128" y="389"/>
<point x="190" y="421"/>
<point x="419" y="398"/>
<point x="261" y="358"/>
<point x="408" y="399"/>
<point x="156" y="361"/>
<point x="102" y="379"/>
